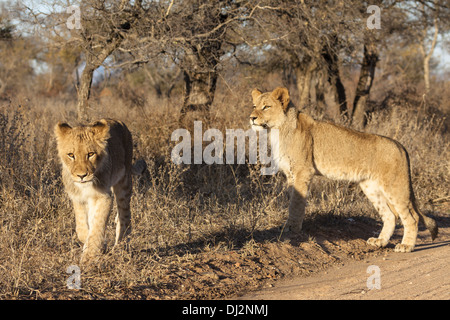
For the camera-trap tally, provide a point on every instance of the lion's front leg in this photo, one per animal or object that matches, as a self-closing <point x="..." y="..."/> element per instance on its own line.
<point x="81" y="220"/>
<point x="99" y="209"/>
<point x="297" y="205"/>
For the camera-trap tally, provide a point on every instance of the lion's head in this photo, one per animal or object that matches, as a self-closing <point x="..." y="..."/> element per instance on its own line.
<point x="269" y="109"/>
<point x="82" y="149"/>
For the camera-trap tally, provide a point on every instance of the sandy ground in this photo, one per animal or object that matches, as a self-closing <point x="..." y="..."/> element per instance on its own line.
<point x="422" y="274"/>
<point x="329" y="259"/>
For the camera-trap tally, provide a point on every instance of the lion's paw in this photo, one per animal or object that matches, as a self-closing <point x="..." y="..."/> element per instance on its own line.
<point x="376" y="242"/>
<point x="291" y="228"/>
<point x="403" y="248"/>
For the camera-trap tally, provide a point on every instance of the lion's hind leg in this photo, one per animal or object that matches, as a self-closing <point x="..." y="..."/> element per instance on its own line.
<point x="410" y="221"/>
<point x="388" y="214"/>
<point x="398" y="194"/>
<point x="122" y="192"/>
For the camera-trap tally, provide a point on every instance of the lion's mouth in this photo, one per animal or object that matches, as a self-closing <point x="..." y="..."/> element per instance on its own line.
<point x="257" y="126"/>
<point x="83" y="180"/>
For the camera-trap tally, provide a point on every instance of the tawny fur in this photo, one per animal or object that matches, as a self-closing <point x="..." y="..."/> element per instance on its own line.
<point x="96" y="161"/>
<point x="308" y="147"/>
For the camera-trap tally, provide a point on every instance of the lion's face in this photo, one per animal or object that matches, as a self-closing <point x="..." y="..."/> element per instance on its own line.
<point x="269" y="109"/>
<point x="82" y="149"/>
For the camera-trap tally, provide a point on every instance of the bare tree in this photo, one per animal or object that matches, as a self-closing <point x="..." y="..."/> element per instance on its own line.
<point x="373" y="40"/>
<point x="106" y="27"/>
<point x="428" y="54"/>
<point x="16" y="53"/>
<point x="429" y="17"/>
<point x="199" y="30"/>
<point x="365" y="81"/>
<point x="409" y="20"/>
<point x="310" y="38"/>
<point x="193" y="33"/>
<point x="6" y="35"/>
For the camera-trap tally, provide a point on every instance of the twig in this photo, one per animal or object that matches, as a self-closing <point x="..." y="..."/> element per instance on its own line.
<point x="443" y="199"/>
<point x="168" y="9"/>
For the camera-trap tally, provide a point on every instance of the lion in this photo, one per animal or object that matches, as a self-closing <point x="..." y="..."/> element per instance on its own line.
<point x="308" y="147"/>
<point x="97" y="160"/>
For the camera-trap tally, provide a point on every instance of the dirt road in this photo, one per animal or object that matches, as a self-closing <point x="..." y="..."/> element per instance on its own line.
<point x="422" y="274"/>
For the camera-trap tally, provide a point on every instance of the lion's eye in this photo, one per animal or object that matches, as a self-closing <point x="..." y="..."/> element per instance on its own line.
<point x="71" y="155"/>
<point x="266" y="107"/>
<point x="91" y="154"/>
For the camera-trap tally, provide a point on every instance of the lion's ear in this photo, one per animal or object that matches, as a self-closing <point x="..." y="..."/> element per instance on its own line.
<point x="101" y="130"/>
<point x="282" y="95"/>
<point x="62" y="129"/>
<point x="255" y="94"/>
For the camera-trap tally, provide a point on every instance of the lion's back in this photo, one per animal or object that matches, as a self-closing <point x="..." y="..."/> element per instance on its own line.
<point x="119" y="150"/>
<point x="120" y="143"/>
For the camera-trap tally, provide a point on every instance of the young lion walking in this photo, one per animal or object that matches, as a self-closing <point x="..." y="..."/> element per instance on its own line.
<point x="95" y="159"/>
<point x="308" y="147"/>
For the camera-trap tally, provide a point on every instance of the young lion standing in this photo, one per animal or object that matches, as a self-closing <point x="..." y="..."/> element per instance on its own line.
<point x="95" y="159"/>
<point x="308" y="147"/>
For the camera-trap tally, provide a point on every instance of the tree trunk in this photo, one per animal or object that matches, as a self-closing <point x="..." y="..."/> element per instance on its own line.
<point x="304" y="77"/>
<point x="426" y="73"/>
<point x="320" y="83"/>
<point x="93" y="61"/>
<point x="199" y="91"/>
<point x="334" y="89"/>
<point x="2" y="87"/>
<point x="365" y="81"/>
<point x="200" y="76"/>
<point x="427" y="55"/>
<point x="84" y="91"/>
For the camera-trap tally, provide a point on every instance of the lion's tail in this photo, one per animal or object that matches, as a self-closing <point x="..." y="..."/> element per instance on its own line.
<point x="139" y="167"/>
<point x="429" y="223"/>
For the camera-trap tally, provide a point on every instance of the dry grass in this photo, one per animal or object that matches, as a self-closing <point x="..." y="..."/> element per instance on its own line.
<point x="181" y="214"/>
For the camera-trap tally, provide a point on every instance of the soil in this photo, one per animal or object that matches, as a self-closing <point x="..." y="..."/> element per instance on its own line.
<point x="422" y="274"/>
<point x="327" y="260"/>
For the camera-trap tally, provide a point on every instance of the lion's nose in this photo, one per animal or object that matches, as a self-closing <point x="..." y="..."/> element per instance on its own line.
<point x="253" y="119"/>
<point x="82" y="176"/>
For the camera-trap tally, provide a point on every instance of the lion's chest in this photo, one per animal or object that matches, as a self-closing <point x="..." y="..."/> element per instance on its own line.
<point x="81" y="192"/>
<point x="284" y="162"/>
